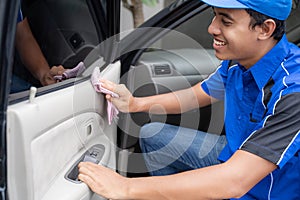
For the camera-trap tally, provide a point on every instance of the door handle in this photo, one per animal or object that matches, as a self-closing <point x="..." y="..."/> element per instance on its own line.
<point x="94" y="155"/>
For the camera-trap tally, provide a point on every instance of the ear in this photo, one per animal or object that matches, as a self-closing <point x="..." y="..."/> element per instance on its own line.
<point x="267" y="29"/>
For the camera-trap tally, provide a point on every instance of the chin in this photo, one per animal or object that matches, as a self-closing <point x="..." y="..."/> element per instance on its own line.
<point x="221" y="57"/>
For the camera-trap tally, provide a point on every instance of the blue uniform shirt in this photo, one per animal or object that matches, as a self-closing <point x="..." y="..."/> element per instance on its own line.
<point x="262" y="116"/>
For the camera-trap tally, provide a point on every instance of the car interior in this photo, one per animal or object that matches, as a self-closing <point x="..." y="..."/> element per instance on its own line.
<point x="171" y="51"/>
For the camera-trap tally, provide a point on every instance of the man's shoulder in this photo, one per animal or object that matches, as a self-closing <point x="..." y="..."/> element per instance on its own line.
<point x="290" y="70"/>
<point x="291" y="62"/>
<point x="294" y="51"/>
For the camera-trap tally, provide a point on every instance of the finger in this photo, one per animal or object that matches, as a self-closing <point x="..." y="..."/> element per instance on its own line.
<point x="57" y="70"/>
<point x="89" y="181"/>
<point x="92" y="184"/>
<point x="53" y="71"/>
<point x="60" y="72"/>
<point x="108" y="84"/>
<point x="89" y="168"/>
<point x="86" y="179"/>
<point x="108" y="97"/>
<point x="85" y="165"/>
<point x="86" y="170"/>
<point x="120" y="89"/>
<point x="60" y="67"/>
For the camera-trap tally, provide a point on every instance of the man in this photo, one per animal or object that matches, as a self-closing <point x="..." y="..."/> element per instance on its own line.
<point x="259" y="157"/>
<point x="32" y="58"/>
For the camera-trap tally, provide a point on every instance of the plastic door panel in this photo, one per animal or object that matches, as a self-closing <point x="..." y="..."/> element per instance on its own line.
<point x="47" y="135"/>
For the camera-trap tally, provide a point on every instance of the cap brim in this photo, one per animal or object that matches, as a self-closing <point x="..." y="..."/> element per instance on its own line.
<point x="225" y="3"/>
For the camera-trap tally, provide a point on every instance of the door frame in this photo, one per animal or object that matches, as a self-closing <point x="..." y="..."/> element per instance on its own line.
<point x="8" y="22"/>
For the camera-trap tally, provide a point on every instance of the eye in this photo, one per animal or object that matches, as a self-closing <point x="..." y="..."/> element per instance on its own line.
<point x="226" y="22"/>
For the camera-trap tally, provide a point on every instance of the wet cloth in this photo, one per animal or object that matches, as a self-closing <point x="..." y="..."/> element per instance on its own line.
<point x="112" y="111"/>
<point x="71" y="73"/>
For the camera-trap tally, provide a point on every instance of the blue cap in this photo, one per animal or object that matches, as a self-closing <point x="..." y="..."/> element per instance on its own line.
<point x="278" y="9"/>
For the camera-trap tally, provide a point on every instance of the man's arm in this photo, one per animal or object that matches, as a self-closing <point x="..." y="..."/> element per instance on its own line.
<point x="231" y="179"/>
<point x="170" y="103"/>
<point x="32" y="56"/>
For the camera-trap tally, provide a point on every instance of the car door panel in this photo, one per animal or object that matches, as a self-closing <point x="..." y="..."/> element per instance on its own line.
<point x="46" y="136"/>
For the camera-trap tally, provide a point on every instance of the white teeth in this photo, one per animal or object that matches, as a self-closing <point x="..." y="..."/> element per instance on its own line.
<point x="218" y="43"/>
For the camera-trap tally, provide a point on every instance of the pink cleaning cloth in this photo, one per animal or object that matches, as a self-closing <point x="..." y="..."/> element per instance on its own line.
<point x="112" y="111"/>
<point x="71" y="73"/>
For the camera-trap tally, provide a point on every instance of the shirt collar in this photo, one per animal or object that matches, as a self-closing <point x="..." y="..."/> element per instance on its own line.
<point x="265" y="67"/>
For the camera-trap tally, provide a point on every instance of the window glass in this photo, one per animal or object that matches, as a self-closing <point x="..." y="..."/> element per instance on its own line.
<point x="65" y="33"/>
<point x="195" y="29"/>
<point x="191" y="42"/>
<point x="293" y="24"/>
<point x="133" y="15"/>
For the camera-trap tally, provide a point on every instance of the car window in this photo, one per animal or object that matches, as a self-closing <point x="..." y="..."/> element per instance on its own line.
<point x="195" y="29"/>
<point x="293" y="24"/>
<point x="189" y="43"/>
<point x="66" y="34"/>
<point x="193" y="33"/>
<point x="134" y="14"/>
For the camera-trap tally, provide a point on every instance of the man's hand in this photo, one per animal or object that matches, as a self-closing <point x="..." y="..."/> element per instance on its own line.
<point x="48" y="77"/>
<point x="103" y="181"/>
<point x="125" y="101"/>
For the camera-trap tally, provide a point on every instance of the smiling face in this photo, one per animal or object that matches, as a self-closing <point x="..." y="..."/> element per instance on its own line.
<point x="235" y="39"/>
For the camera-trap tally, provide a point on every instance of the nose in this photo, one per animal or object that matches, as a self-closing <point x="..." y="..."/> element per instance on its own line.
<point x="213" y="28"/>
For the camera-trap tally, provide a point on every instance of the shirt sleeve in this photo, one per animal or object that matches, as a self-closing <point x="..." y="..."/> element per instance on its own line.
<point x="278" y="140"/>
<point x="215" y="84"/>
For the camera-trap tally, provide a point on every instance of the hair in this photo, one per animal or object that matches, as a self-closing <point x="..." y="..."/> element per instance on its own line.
<point x="259" y="19"/>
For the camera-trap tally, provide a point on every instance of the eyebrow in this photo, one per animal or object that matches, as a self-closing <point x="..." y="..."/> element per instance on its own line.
<point x="226" y="15"/>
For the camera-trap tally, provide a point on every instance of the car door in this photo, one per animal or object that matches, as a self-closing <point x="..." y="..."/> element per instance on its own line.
<point x="47" y="131"/>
